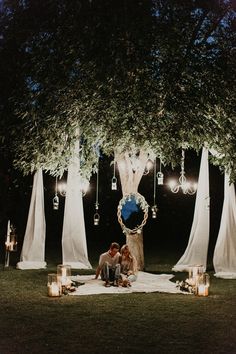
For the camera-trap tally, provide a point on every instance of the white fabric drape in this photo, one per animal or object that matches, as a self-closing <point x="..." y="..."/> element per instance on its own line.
<point x="196" y="251"/>
<point x="131" y="172"/>
<point x="74" y="245"/>
<point x="33" y="250"/>
<point x="224" y="258"/>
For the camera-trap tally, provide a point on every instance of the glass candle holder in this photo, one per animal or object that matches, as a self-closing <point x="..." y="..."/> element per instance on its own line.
<point x="54" y="285"/>
<point x="203" y="285"/>
<point x="64" y="274"/>
<point x="11" y="242"/>
<point x="194" y="273"/>
<point x="160" y="178"/>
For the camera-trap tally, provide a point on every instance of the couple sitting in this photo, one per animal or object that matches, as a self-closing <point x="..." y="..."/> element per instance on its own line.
<point x="117" y="268"/>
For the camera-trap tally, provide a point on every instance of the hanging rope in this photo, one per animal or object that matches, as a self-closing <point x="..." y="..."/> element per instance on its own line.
<point x="114" y="179"/>
<point x="56" y="187"/>
<point x="97" y="184"/>
<point x="55" y="200"/>
<point x="96" y="216"/>
<point x="154" y="181"/>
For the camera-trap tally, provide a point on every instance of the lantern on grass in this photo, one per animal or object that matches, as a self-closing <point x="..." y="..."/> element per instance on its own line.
<point x="10" y="242"/>
<point x="194" y="273"/>
<point x="54" y="285"/>
<point x="203" y="285"/>
<point x="64" y="275"/>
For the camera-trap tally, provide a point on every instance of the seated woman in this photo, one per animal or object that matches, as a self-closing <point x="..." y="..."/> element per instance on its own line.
<point x="128" y="266"/>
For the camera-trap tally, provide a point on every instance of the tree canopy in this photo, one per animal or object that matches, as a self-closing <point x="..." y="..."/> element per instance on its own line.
<point x="150" y="74"/>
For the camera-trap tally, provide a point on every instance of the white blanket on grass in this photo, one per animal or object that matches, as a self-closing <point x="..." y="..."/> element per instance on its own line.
<point x="145" y="283"/>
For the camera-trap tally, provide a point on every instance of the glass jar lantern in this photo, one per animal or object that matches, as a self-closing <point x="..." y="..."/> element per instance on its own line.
<point x="160" y="178"/>
<point x="114" y="183"/>
<point x="194" y="273"/>
<point x="203" y="285"/>
<point x="54" y="285"/>
<point x="64" y="274"/>
<point x="55" y="202"/>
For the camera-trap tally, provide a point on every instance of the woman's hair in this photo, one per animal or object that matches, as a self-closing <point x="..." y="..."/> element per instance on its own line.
<point x="123" y="248"/>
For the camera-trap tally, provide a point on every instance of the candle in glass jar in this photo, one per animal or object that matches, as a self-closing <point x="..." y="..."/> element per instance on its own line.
<point x="202" y="290"/>
<point x="53" y="289"/>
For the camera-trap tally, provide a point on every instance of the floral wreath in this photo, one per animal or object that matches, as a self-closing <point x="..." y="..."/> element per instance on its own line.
<point x="140" y="200"/>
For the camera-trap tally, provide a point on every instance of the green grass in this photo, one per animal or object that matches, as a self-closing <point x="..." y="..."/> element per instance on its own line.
<point x="31" y="322"/>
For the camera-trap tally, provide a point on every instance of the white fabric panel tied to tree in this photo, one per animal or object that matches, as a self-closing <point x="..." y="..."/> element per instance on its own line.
<point x="197" y="248"/>
<point x="74" y="245"/>
<point x="224" y="258"/>
<point x="33" y="250"/>
<point x="131" y="167"/>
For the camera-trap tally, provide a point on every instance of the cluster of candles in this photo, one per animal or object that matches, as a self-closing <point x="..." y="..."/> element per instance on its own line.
<point x="60" y="281"/>
<point x="199" y="280"/>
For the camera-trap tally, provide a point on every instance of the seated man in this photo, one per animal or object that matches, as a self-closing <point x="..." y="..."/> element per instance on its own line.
<point x="109" y="266"/>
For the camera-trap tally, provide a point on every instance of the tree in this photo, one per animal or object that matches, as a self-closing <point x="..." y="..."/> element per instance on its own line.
<point x="150" y="76"/>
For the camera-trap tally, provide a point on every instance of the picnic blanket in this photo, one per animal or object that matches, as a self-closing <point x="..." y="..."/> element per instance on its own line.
<point x="145" y="283"/>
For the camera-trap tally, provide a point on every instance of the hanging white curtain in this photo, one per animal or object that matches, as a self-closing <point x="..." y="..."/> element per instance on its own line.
<point x="224" y="258"/>
<point x="74" y="245"/>
<point x="33" y="250"/>
<point x="197" y="248"/>
<point x="131" y="172"/>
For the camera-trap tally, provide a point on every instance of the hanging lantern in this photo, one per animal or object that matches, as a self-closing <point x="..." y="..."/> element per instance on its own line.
<point x="55" y="202"/>
<point x="154" y="207"/>
<point x="154" y="210"/>
<point x="54" y="285"/>
<point x="203" y="285"/>
<point x="114" y="179"/>
<point x="114" y="183"/>
<point x="160" y="178"/>
<point x="96" y="219"/>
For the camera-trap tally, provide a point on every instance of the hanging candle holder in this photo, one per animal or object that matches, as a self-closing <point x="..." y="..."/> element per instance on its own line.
<point x="154" y="208"/>
<point x="160" y="176"/>
<point x="55" y="201"/>
<point x="114" y="183"/>
<point x="114" y="179"/>
<point x="96" y="217"/>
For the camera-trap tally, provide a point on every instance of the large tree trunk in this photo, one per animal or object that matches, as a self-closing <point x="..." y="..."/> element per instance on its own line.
<point x="130" y="176"/>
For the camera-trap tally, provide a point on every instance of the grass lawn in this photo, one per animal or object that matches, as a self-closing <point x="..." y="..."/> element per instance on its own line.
<point x="32" y="322"/>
